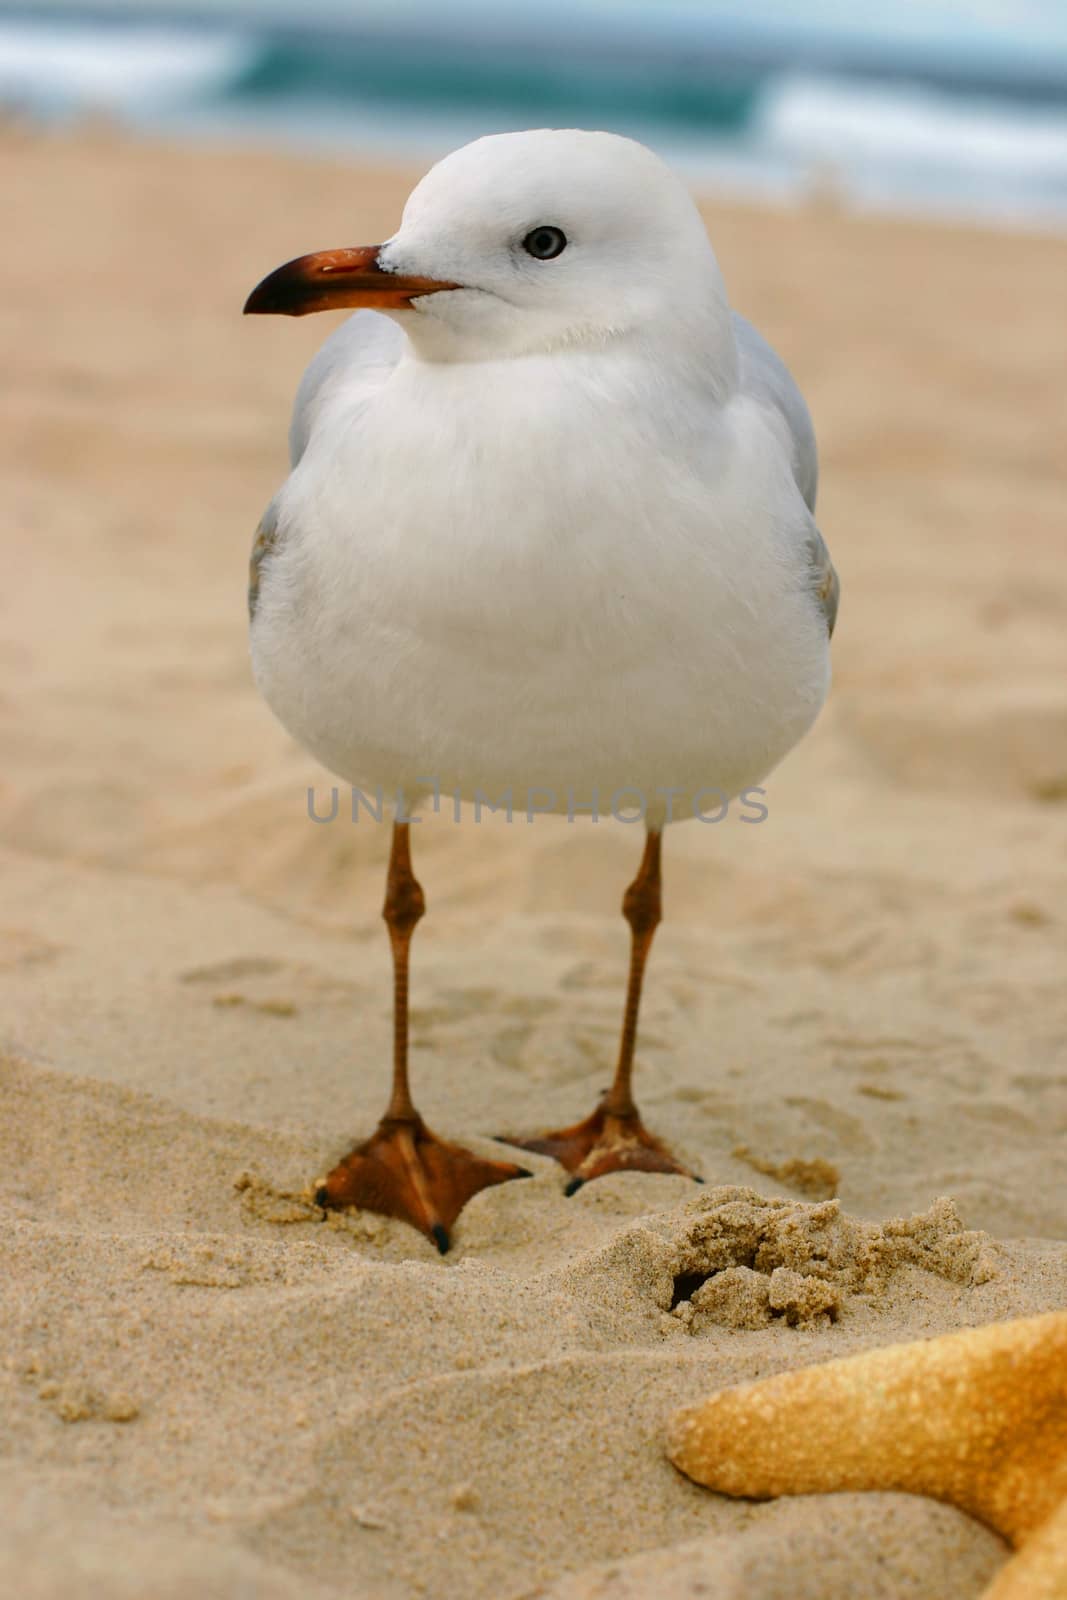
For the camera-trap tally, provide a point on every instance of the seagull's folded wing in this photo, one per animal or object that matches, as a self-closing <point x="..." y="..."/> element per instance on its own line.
<point x="366" y="342"/>
<point x="764" y="375"/>
<point x="824" y="578"/>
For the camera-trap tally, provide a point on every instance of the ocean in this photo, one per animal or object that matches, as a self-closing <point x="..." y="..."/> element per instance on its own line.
<point x="952" y="107"/>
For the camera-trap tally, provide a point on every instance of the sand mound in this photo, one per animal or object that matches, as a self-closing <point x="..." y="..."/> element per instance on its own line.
<point x="738" y="1260"/>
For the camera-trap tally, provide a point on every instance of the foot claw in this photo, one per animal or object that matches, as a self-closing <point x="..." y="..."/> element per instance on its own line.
<point x="441" y="1239"/>
<point x="573" y="1187"/>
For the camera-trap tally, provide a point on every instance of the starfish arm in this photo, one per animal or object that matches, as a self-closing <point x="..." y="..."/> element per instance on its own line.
<point x="978" y="1419"/>
<point x="1039" y="1570"/>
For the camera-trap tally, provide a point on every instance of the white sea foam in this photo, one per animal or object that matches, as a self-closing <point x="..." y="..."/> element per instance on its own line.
<point x="828" y="119"/>
<point x="81" y="67"/>
<point x="880" y="144"/>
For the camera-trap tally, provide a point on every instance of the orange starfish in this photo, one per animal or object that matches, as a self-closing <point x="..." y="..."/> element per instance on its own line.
<point x="978" y="1419"/>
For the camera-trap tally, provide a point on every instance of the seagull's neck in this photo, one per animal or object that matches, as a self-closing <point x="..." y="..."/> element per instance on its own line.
<point x="700" y="345"/>
<point x="693" y="345"/>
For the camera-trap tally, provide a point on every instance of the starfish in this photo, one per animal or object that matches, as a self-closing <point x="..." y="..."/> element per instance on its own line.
<point x="978" y="1419"/>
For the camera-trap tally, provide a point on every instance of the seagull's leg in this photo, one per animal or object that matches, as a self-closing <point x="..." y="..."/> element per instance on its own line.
<point x="403" y="1170"/>
<point x="614" y="1138"/>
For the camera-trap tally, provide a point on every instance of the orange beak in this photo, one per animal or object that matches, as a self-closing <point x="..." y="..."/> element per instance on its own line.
<point x="328" y="280"/>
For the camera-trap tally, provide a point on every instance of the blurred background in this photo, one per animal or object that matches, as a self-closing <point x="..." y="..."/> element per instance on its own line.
<point x="196" y="978"/>
<point x="886" y="189"/>
<point x="957" y="106"/>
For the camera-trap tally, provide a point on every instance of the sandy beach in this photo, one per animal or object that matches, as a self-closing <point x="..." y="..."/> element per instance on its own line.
<point x="855" y="1022"/>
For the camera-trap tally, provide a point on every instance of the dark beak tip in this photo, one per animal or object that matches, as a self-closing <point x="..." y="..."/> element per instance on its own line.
<point x="264" y="301"/>
<point x="257" y="302"/>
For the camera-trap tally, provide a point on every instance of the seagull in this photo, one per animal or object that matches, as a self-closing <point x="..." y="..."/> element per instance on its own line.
<point x="547" y="540"/>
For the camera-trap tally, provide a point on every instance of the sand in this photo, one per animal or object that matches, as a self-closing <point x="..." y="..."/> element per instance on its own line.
<point x="855" y="1010"/>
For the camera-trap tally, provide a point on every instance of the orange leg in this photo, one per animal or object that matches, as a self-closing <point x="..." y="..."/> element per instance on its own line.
<point x="403" y="1170"/>
<point x="614" y="1138"/>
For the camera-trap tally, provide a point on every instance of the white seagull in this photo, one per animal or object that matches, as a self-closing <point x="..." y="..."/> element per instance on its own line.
<point x="548" y="540"/>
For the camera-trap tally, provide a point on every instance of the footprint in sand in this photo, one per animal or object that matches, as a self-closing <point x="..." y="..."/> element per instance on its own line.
<point x="237" y="967"/>
<point x="811" y="1175"/>
<point x="260" y="973"/>
<point x="21" y="948"/>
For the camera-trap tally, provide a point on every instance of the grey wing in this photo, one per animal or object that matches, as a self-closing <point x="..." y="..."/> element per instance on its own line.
<point x="366" y="342"/>
<point x="825" y="584"/>
<point x="764" y="374"/>
<point x="264" y="542"/>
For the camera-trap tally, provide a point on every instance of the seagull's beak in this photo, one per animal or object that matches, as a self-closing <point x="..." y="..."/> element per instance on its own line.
<point x="331" y="279"/>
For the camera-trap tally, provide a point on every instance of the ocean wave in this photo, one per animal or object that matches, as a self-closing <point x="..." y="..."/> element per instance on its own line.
<point x="844" y="124"/>
<point x="119" y="66"/>
<point x="77" y="68"/>
<point x="761" y="129"/>
<point x="501" y="75"/>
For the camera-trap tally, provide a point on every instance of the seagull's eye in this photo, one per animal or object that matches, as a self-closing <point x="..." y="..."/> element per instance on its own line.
<point x="545" y="243"/>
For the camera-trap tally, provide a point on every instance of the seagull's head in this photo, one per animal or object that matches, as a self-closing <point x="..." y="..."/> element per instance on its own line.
<point x="522" y="243"/>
